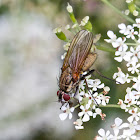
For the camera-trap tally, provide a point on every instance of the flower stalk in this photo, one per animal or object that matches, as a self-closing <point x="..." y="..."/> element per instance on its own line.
<point x="118" y="11"/>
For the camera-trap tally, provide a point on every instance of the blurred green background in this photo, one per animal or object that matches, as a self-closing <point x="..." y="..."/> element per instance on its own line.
<point x="30" y="64"/>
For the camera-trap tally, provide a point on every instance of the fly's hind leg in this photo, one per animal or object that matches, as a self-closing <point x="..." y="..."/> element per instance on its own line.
<point x="91" y="73"/>
<point x="91" y="93"/>
<point x="76" y="91"/>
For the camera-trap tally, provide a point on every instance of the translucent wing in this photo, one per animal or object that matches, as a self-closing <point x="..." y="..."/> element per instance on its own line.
<point x="78" y="51"/>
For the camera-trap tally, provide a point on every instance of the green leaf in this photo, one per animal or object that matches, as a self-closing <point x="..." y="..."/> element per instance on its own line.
<point x="61" y="36"/>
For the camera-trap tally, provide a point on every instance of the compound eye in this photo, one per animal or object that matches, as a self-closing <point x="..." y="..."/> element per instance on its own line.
<point x="66" y="97"/>
<point x="58" y="93"/>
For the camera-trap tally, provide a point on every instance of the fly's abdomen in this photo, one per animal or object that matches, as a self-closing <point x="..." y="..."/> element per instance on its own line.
<point x="66" y="82"/>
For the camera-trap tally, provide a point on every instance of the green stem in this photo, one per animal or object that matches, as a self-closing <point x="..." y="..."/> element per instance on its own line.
<point x="110" y="105"/>
<point x="131" y="44"/>
<point x="136" y="107"/>
<point x="118" y="11"/>
<point x="106" y="49"/>
<point x="76" y="106"/>
<point x="137" y="8"/>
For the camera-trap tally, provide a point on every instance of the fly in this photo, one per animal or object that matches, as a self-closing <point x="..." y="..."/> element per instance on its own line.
<point x="77" y="60"/>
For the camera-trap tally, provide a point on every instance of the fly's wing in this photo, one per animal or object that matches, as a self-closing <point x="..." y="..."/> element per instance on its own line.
<point x="78" y="51"/>
<point x="70" y="51"/>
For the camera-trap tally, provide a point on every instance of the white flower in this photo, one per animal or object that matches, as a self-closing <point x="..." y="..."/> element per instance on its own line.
<point x="57" y="30"/>
<point x="129" y="97"/>
<point x="137" y="83"/>
<point x="133" y="125"/>
<point x="95" y="84"/>
<point x="115" y="137"/>
<point x="137" y="23"/>
<point x="127" y="12"/>
<point x="81" y="85"/>
<point x="67" y="27"/>
<point x="125" y="30"/>
<point x="120" y="42"/>
<point x="135" y="53"/>
<point x="136" y="94"/>
<point x="135" y="13"/>
<point x="131" y="34"/>
<point x="78" y="124"/>
<point x="98" y="111"/>
<point x="135" y="114"/>
<point x="127" y="135"/>
<point x="121" y="53"/>
<point x="85" y="113"/>
<point x="104" y="99"/>
<point x="121" y="77"/>
<point x="112" y="39"/>
<point x="81" y="95"/>
<point x="96" y="97"/>
<point x="69" y="8"/>
<point x="63" y="56"/>
<point x="122" y="105"/>
<point x="103" y="135"/>
<point x="131" y="62"/>
<point x="84" y="21"/>
<point x="67" y="112"/>
<point x="118" y="125"/>
<point x="66" y="46"/>
<point x="106" y="89"/>
<point x="128" y="1"/>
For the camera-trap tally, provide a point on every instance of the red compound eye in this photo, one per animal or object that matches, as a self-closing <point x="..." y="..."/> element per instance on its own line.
<point x="58" y="93"/>
<point x="66" y="97"/>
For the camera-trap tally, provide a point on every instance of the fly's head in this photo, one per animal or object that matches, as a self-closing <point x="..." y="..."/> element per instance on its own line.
<point x="62" y="96"/>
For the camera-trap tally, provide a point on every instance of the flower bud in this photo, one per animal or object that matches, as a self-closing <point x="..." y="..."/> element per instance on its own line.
<point x="69" y="8"/>
<point x="60" y="34"/>
<point x="67" y="27"/>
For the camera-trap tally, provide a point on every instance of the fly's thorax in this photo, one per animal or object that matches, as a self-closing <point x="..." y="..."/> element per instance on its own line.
<point x="65" y="82"/>
<point x="75" y="77"/>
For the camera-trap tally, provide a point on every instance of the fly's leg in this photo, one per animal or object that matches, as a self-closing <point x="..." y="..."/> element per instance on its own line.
<point x="91" y="93"/>
<point x="91" y="73"/>
<point x="66" y="103"/>
<point x="76" y="91"/>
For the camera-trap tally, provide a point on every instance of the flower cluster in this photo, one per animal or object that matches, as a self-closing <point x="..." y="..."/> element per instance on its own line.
<point x="132" y="8"/>
<point x="89" y="102"/>
<point x="92" y="93"/>
<point x="130" y="53"/>
<point x="121" y="130"/>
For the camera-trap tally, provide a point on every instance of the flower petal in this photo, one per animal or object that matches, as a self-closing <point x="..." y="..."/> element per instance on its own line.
<point x="101" y="132"/>
<point x="118" y="121"/>
<point x="63" y="116"/>
<point x="86" y="118"/>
